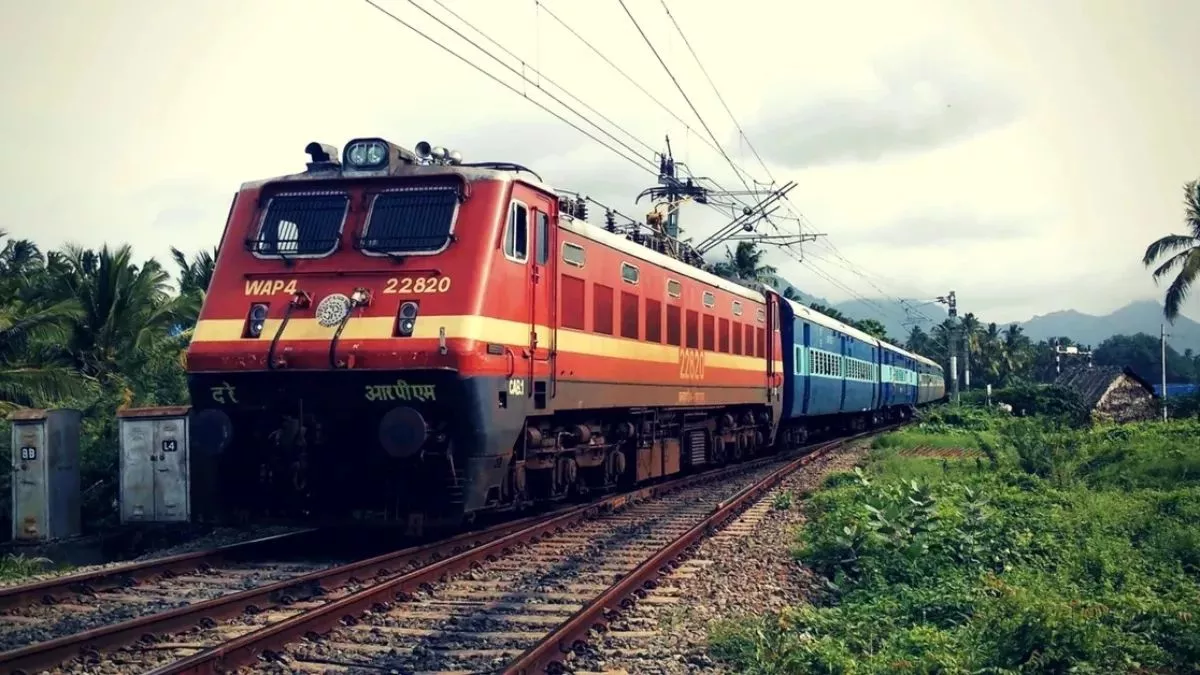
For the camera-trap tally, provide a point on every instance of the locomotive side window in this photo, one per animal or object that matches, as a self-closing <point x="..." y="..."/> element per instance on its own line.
<point x="516" y="235"/>
<point x="572" y="254"/>
<point x="301" y="225"/>
<point x="543" y="238"/>
<point x="653" y="320"/>
<point x="737" y="308"/>
<point x="411" y="220"/>
<point x="710" y="300"/>
<point x="674" y="288"/>
<point x="761" y="315"/>
<point x="630" y="273"/>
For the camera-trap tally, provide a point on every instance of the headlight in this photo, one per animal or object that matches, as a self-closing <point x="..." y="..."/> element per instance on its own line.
<point x="366" y="154"/>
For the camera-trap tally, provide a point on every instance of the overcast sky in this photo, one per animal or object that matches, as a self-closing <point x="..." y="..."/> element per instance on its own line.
<point x="1020" y="152"/>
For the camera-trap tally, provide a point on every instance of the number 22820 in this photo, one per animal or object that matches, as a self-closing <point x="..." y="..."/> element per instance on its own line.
<point x="416" y="285"/>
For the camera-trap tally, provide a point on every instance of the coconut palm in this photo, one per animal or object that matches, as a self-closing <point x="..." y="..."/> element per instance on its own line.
<point x="24" y="378"/>
<point x="1179" y="254"/>
<point x="124" y="307"/>
<point x="745" y="263"/>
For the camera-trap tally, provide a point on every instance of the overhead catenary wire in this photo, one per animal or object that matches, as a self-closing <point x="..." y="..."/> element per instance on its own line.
<point x="643" y="166"/>
<point x="688" y="100"/>
<point x="637" y="159"/>
<point x="717" y="91"/>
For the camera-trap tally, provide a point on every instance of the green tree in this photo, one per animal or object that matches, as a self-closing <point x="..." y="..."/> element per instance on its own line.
<point x="872" y="327"/>
<point x="1179" y="254"/>
<point x="746" y="263"/>
<point x="830" y="312"/>
<point x="1142" y="353"/>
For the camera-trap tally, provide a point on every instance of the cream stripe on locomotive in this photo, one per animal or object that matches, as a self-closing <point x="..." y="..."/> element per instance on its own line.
<point x="471" y="327"/>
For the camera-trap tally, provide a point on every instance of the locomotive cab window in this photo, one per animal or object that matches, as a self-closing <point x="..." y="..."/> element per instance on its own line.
<point x="516" y="235"/>
<point x="543" y="238"/>
<point x="304" y="225"/>
<point x="416" y="220"/>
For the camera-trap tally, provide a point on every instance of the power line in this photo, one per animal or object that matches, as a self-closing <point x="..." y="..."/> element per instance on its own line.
<point x="533" y="70"/>
<point x="513" y="89"/>
<point x="716" y="91"/>
<point x="678" y="86"/>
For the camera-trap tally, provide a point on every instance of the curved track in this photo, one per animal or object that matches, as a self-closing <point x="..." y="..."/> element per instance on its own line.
<point x="518" y="593"/>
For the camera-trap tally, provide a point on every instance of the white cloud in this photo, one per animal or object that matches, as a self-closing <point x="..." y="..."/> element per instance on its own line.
<point x="135" y="121"/>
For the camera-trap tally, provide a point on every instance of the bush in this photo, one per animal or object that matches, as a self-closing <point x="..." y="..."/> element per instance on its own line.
<point x="1074" y="551"/>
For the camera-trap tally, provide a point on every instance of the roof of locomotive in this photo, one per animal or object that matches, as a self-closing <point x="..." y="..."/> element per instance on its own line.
<point x="600" y="235"/>
<point x="582" y="228"/>
<point x="468" y="173"/>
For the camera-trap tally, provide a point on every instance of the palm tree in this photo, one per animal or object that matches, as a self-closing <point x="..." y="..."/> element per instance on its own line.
<point x="745" y="263"/>
<point x="1183" y="251"/>
<point x="195" y="276"/>
<point x="125" y="309"/>
<point x="24" y="380"/>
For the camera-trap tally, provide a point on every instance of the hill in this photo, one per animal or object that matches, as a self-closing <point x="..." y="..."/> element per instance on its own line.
<point x="1143" y="316"/>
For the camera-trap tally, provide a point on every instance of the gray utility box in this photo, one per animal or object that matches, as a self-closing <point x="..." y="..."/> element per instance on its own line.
<point x="155" y="485"/>
<point x="45" y="477"/>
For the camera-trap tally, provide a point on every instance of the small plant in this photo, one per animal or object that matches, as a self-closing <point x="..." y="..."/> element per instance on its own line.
<point x="782" y="501"/>
<point x="14" y="566"/>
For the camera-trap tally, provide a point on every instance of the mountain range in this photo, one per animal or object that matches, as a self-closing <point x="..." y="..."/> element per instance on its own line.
<point x="1143" y="316"/>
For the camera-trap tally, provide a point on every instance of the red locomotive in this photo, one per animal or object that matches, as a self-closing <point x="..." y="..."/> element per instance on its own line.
<point x="402" y="334"/>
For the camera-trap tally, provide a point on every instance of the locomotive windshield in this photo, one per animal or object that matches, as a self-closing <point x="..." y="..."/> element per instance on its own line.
<point x="301" y="225"/>
<point x="411" y="220"/>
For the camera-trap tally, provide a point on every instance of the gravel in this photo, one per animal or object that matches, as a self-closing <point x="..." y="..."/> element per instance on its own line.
<point x="746" y="569"/>
<point x="218" y="537"/>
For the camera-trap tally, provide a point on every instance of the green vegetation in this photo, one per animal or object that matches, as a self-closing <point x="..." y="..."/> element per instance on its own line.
<point x="92" y="330"/>
<point x="1058" y="550"/>
<point x="14" y="566"/>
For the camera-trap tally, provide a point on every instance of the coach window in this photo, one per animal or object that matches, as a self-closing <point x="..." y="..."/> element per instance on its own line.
<point x="710" y="300"/>
<point x="572" y="254"/>
<point x="516" y="237"/>
<point x="543" y="238"/>
<point x="674" y="288"/>
<point x="737" y="308"/>
<point x="629" y="273"/>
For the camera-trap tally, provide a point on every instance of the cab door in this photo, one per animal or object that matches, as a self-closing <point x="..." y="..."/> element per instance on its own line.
<point x="543" y="303"/>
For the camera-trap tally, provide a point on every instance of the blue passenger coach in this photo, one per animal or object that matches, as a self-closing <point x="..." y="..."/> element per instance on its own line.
<point x="837" y="375"/>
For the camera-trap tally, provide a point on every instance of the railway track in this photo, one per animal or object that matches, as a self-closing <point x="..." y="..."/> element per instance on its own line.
<point x="513" y="596"/>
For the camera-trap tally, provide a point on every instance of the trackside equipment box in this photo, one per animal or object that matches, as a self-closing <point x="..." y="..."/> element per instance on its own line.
<point x="155" y="457"/>
<point x="45" y="476"/>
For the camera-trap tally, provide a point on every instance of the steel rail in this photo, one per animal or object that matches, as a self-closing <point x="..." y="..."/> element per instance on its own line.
<point x="48" y="590"/>
<point x="546" y="655"/>
<point x="266" y="642"/>
<point x="38" y="656"/>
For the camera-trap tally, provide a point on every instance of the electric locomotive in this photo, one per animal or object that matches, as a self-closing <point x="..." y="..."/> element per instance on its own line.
<point x="397" y="334"/>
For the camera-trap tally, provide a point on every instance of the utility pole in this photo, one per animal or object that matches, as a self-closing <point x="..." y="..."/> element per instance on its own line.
<point x="952" y="301"/>
<point x="1163" y="348"/>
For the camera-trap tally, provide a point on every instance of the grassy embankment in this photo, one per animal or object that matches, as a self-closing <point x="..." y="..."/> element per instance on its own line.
<point x="1055" y="550"/>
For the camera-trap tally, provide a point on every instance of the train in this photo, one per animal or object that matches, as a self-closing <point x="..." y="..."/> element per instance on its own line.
<point x="398" y="335"/>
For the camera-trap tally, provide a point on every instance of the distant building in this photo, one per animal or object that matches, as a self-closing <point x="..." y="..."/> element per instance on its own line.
<point x="1112" y="393"/>
<point x="1177" y="390"/>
